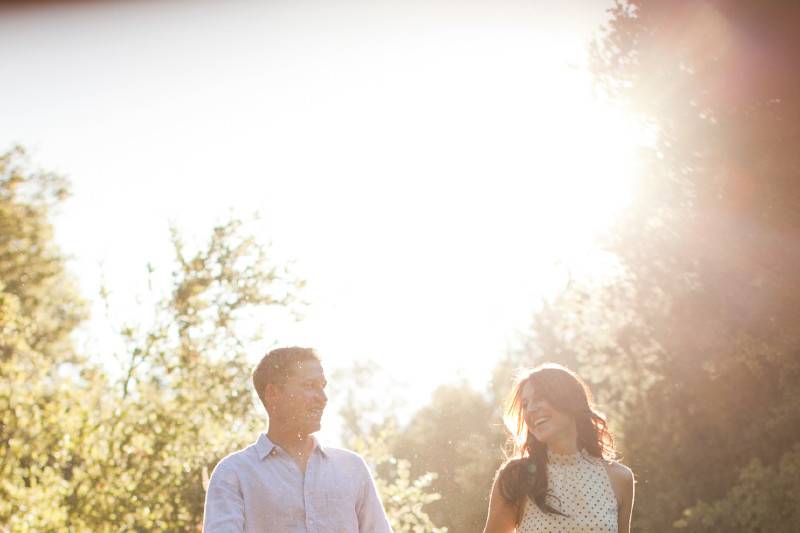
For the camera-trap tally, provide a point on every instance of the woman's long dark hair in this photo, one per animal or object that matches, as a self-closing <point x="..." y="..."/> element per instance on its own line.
<point x="525" y="474"/>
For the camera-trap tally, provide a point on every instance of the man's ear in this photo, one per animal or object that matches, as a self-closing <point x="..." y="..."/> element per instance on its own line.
<point x="271" y="393"/>
<point x="271" y="390"/>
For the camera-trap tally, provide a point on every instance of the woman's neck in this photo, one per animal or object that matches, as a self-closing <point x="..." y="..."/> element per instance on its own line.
<point x="566" y="444"/>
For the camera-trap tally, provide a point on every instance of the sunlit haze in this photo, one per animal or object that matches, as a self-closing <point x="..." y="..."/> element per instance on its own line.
<point x="434" y="169"/>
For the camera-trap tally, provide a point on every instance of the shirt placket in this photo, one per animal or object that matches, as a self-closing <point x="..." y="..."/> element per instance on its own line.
<point x="311" y="495"/>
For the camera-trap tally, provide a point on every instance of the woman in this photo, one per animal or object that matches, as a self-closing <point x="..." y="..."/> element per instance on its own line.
<point x="562" y="477"/>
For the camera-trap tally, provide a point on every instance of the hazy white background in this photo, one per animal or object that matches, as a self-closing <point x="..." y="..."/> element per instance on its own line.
<point x="434" y="168"/>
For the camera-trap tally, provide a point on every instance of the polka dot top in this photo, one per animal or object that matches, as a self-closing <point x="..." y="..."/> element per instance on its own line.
<point x="581" y="484"/>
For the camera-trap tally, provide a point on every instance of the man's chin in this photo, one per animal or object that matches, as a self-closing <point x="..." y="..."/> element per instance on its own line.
<point x="312" y="427"/>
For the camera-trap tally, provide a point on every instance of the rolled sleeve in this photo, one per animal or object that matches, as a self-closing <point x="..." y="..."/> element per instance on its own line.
<point x="371" y="516"/>
<point x="224" y="510"/>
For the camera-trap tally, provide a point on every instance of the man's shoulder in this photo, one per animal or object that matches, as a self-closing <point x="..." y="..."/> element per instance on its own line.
<point x="236" y="461"/>
<point x="243" y="454"/>
<point x="343" y="455"/>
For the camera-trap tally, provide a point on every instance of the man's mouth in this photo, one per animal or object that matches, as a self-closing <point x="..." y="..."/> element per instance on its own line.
<point x="316" y="411"/>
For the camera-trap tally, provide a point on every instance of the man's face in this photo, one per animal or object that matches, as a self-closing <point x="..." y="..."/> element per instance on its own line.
<point x="299" y="402"/>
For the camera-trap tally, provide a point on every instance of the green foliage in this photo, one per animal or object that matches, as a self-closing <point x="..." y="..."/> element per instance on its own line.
<point x="457" y="436"/>
<point x="404" y="497"/>
<point x="694" y="346"/>
<point x="31" y="267"/>
<point x="39" y="309"/>
<point x="370" y="429"/>
<point x="185" y="399"/>
<point x="763" y="499"/>
<point x="87" y="452"/>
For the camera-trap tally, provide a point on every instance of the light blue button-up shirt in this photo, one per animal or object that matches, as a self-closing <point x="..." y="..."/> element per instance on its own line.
<point x="262" y="489"/>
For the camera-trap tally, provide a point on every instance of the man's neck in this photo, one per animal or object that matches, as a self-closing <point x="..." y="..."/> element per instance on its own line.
<point x="296" y="444"/>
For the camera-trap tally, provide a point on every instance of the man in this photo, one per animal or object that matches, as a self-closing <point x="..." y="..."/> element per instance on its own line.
<point x="287" y="482"/>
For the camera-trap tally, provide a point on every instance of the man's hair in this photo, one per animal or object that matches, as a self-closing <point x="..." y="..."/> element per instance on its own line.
<point x="277" y="365"/>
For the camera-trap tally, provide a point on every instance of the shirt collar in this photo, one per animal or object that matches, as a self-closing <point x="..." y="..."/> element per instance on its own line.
<point x="265" y="447"/>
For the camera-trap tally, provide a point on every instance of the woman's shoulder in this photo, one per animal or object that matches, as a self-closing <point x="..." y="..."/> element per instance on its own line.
<point x="620" y="472"/>
<point x="514" y="467"/>
<point x="514" y="462"/>
<point x="512" y="477"/>
<point x="621" y="478"/>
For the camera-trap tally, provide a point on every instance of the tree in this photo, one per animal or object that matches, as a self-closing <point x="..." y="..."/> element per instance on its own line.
<point x="85" y="451"/>
<point x="39" y="308"/>
<point x="370" y="428"/>
<point x="185" y="398"/>
<point x="405" y="497"/>
<point x="764" y="498"/>
<point x="694" y="346"/>
<point x="458" y="437"/>
<point x="86" y="447"/>
<point x="698" y="344"/>
<point x="31" y="266"/>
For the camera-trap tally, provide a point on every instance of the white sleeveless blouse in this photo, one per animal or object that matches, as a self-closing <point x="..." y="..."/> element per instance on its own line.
<point x="582" y="492"/>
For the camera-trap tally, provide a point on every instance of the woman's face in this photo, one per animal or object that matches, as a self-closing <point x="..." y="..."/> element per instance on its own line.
<point x="545" y="422"/>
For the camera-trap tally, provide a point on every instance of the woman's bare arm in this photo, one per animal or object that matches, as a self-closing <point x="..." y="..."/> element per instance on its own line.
<point x="623" y="484"/>
<point x="502" y="514"/>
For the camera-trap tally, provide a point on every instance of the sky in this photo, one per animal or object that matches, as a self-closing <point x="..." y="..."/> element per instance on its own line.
<point x="432" y="168"/>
